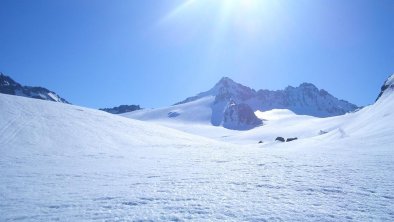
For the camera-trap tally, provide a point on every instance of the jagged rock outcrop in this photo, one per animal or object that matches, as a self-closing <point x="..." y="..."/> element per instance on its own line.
<point x="387" y="87"/>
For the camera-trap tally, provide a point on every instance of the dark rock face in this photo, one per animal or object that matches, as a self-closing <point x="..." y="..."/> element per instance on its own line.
<point x="280" y="139"/>
<point x="11" y="87"/>
<point x="122" y="109"/>
<point x="322" y="132"/>
<point x="8" y="85"/>
<point x="291" y="139"/>
<point x="239" y="117"/>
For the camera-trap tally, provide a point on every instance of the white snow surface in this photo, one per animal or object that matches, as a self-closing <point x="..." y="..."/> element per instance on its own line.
<point x="68" y="163"/>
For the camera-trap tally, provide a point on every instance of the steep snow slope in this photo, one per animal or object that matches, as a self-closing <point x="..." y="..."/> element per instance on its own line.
<point x="67" y="163"/>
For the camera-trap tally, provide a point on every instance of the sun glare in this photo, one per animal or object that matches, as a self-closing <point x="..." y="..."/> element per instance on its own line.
<point x="245" y="15"/>
<point x="244" y="22"/>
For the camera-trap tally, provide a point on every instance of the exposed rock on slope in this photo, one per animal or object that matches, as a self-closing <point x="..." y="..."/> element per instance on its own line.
<point x="387" y="87"/>
<point x="122" y="109"/>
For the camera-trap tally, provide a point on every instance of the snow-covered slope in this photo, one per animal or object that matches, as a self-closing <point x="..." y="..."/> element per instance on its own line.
<point x="9" y="86"/>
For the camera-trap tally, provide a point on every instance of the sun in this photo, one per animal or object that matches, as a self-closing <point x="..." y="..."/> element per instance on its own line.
<point x="241" y="5"/>
<point x="245" y="22"/>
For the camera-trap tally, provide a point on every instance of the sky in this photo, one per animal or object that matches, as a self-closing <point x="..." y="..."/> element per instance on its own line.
<point x="155" y="53"/>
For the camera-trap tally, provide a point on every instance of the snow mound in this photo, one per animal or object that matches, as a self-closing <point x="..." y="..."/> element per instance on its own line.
<point x="24" y="121"/>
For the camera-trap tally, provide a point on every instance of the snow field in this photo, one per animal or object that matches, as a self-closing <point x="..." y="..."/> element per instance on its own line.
<point x="68" y="163"/>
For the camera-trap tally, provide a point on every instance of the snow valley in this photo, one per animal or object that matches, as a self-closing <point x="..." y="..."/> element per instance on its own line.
<point x="199" y="159"/>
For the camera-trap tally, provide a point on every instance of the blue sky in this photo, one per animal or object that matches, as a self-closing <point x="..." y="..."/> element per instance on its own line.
<point x="155" y="53"/>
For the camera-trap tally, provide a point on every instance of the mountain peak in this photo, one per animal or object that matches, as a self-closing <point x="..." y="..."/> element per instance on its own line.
<point x="11" y="87"/>
<point x="307" y="85"/>
<point x="225" y="88"/>
<point x="225" y="80"/>
<point x="6" y="80"/>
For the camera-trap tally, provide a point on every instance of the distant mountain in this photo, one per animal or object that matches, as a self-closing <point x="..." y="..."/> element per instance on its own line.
<point x="11" y="87"/>
<point x="233" y="106"/>
<point x="305" y="99"/>
<point x="122" y="109"/>
<point x="388" y="87"/>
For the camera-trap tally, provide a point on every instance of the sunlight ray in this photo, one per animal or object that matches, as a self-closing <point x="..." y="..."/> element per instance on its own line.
<point x="175" y="12"/>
